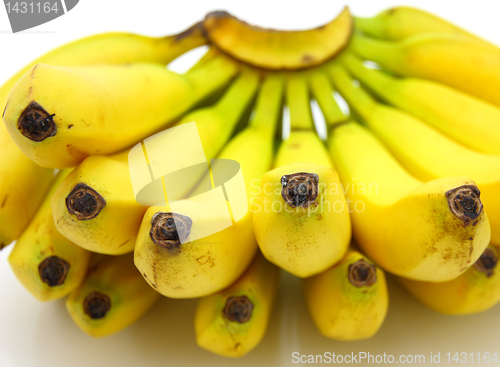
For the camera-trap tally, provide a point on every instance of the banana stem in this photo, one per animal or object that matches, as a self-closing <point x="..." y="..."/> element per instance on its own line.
<point x="209" y="77"/>
<point x="373" y="27"/>
<point x="178" y="44"/>
<point x="356" y="97"/>
<point x="373" y="49"/>
<point x="269" y="103"/>
<point x="374" y="79"/>
<point x="322" y="90"/>
<point x="297" y="96"/>
<point x="211" y="54"/>
<point x="234" y="102"/>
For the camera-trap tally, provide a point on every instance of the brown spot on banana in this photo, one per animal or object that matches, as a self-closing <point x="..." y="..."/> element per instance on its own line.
<point x="4" y="200"/>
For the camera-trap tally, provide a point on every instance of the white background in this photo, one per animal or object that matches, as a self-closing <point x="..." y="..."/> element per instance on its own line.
<point x="42" y="334"/>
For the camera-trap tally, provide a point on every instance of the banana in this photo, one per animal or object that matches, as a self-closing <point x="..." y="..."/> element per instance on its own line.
<point x="322" y="90"/>
<point x="301" y="221"/>
<point x="434" y="57"/>
<point x="424" y="152"/>
<point x="112" y="297"/>
<point x="96" y="207"/>
<point x="232" y="322"/>
<point x="23" y="182"/>
<point x="115" y="48"/>
<point x="47" y="264"/>
<point x="349" y="301"/>
<point x="278" y="50"/>
<point x="23" y="185"/>
<point x="468" y="120"/>
<point x="476" y="290"/>
<point x="55" y="129"/>
<point x="178" y="267"/>
<point x="424" y="231"/>
<point x="181" y="268"/>
<point x="402" y="22"/>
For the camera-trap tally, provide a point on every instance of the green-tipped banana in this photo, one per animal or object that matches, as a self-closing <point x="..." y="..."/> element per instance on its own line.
<point x="476" y="290"/>
<point x="301" y="220"/>
<point x="423" y="151"/>
<point x="434" y="57"/>
<point x="117" y="106"/>
<point x="348" y="301"/>
<point x="113" y="296"/>
<point x="469" y="120"/>
<point x="402" y="22"/>
<point x="232" y="322"/>
<point x="47" y="264"/>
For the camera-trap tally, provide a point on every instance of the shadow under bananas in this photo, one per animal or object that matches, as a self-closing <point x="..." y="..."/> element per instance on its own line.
<point x="409" y="329"/>
<point x="165" y="335"/>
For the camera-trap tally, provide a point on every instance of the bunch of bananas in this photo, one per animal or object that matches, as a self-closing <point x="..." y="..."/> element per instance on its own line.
<point x="410" y="172"/>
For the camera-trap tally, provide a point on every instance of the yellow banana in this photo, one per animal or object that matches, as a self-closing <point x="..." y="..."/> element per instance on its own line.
<point x="95" y="206"/>
<point x="113" y="296"/>
<point x="434" y="57"/>
<point x="117" y="105"/>
<point x="424" y="152"/>
<point x="425" y="231"/>
<point x="23" y="185"/>
<point x="301" y="221"/>
<point x="467" y="119"/>
<point x="115" y="48"/>
<point x="476" y="290"/>
<point x="178" y="267"/>
<point x="349" y="301"/>
<point x="47" y="264"/>
<point x="232" y="322"/>
<point x="278" y="50"/>
<point x="22" y="182"/>
<point x="403" y="22"/>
